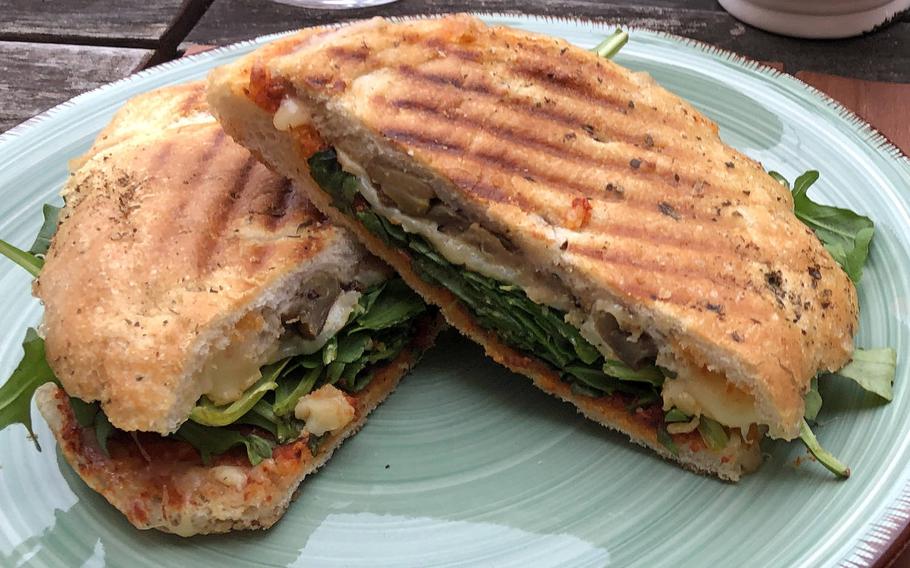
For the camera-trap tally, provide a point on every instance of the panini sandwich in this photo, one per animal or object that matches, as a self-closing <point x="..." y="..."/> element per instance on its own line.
<point x="209" y="337"/>
<point x="586" y="226"/>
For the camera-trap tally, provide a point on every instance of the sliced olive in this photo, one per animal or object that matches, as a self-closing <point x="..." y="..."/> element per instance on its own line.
<point x="632" y="353"/>
<point x="321" y="294"/>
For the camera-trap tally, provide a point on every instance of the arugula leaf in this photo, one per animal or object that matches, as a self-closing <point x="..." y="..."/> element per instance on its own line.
<point x="103" y="431"/>
<point x="824" y="457"/>
<point x="846" y="235"/>
<point x="288" y="394"/>
<point x="16" y="393"/>
<point x="872" y="369"/>
<point x="714" y="435"/>
<point x="26" y="260"/>
<point x="593" y="378"/>
<point x="47" y="231"/>
<point x="610" y="46"/>
<point x="676" y="415"/>
<point x="666" y="440"/>
<point x="210" y="441"/>
<point x="647" y="374"/>
<point x="84" y="412"/>
<point x="506" y="309"/>
<point x="352" y="346"/>
<point x="813" y="401"/>
<point x="396" y="304"/>
<point x="207" y="413"/>
<point x="263" y="416"/>
<point x="333" y="372"/>
<point x="779" y="178"/>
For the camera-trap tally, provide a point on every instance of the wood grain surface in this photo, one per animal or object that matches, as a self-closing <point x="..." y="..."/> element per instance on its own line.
<point x="37" y="76"/>
<point x="882" y="56"/>
<point x="130" y="23"/>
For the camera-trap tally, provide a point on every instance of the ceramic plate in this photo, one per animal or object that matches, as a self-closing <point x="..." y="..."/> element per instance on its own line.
<point x="467" y="464"/>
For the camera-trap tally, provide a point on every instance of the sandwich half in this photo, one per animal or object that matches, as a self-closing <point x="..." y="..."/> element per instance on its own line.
<point x="209" y="337"/>
<point x="586" y="226"/>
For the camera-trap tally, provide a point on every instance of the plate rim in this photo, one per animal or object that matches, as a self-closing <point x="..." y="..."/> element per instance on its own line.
<point x="886" y="536"/>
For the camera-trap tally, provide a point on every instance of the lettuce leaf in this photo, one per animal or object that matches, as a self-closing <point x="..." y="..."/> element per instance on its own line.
<point x="16" y="393"/>
<point x="846" y="235"/>
<point x="873" y="370"/>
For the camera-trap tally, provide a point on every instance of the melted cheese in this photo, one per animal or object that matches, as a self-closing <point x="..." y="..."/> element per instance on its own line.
<point x="290" y="114"/>
<point x="324" y="410"/>
<point x="454" y="248"/>
<point x="229" y="372"/>
<point x="701" y="392"/>
<point x="337" y="318"/>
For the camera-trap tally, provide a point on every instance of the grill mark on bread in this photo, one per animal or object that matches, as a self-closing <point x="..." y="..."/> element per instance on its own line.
<point x="668" y="179"/>
<point x="212" y="238"/>
<point x="279" y="205"/>
<point x="614" y="256"/>
<point x="644" y="201"/>
<point x="162" y="162"/>
<point x="515" y="105"/>
<point x="347" y="54"/>
<point x="633" y="135"/>
<point x="192" y="101"/>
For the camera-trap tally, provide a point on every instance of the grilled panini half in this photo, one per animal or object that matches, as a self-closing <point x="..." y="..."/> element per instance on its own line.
<point x="185" y="280"/>
<point x="586" y="226"/>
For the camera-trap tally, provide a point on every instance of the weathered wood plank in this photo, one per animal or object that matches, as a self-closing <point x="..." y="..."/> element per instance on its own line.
<point x="35" y="76"/>
<point x="125" y="23"/>
<point x="883" y="56"/>
<point x="883" y="105"/>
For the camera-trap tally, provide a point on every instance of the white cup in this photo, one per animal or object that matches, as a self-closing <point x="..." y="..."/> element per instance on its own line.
<point x="815" y="18"/>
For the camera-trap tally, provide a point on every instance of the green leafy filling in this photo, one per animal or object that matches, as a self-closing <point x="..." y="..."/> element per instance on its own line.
<point x="502" y="308"/>
<point x="846" y="235"/>
<point x="16" y="393"/>
<point x="33" y="259"/>
<point x="380" y="326"/>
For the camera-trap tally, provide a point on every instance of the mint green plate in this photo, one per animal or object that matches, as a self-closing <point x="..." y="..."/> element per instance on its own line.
<point x="468" y="465"/>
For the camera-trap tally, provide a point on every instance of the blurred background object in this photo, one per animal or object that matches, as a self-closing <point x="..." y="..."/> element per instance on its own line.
<point x="816" y="18"/>
<point x="335" y="4"/>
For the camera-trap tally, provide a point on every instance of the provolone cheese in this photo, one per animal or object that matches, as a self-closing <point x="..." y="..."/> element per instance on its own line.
<point x="229" y="372"/>
<point x="701" y="392"/>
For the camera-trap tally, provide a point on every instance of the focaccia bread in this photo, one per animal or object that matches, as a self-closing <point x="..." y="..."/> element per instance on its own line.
<point x="600" y="195"/>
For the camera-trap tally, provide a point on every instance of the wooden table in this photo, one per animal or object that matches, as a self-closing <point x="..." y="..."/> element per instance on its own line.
<point x="51" y="51"/>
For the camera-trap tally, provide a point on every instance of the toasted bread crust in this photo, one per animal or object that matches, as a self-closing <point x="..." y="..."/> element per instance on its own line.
<point x="172" y="234"/>
<point x="598" y="175"/>
<point x="251" y="125"/>
<point x="162" y="484"/>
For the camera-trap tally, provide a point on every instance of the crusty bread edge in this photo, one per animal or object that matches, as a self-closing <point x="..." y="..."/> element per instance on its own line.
<point x="252" y="127"/>
<point x="189" y="519"/>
